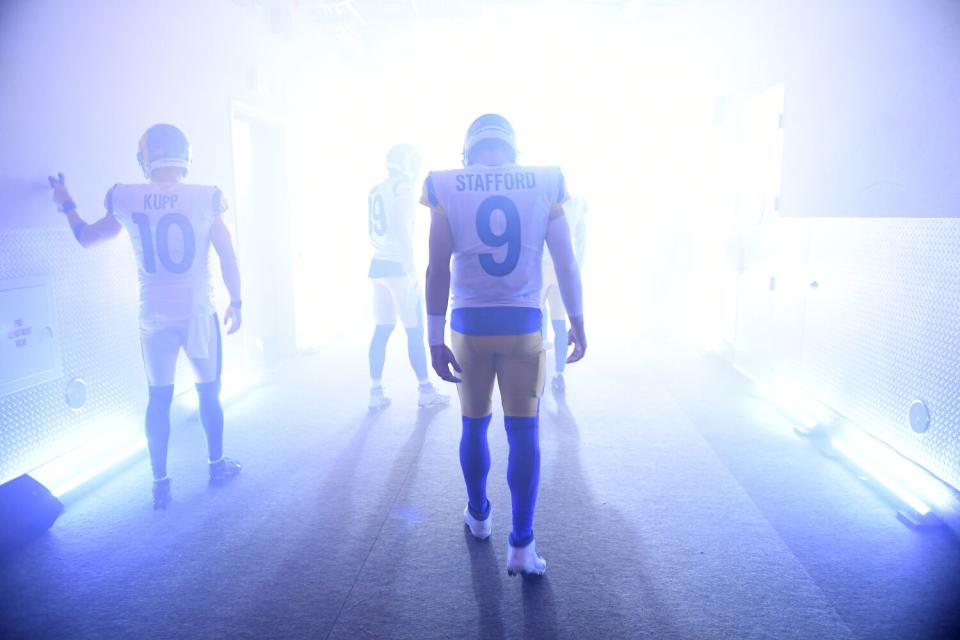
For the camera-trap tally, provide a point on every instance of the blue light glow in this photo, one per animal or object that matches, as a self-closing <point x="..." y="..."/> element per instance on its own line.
<point x="909" y="482"/>
<point x="905" y="479"/>
<point x="77" y="467"/>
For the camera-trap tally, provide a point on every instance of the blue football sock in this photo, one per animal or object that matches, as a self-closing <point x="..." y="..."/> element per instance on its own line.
<point x="523" y="474"/>
<point x="475" y="463"/>
<point x="378" y="349"/>
<point x="560" y="344"/>
<point x="211" y="417"/>
<point x="417" y="353"/>
<point x="158" y="428"/>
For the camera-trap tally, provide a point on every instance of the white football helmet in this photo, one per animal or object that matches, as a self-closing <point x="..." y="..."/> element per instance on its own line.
<point x="490" y="126"/>
<point x="404" y="159"/>
<point x="163" y="145"/>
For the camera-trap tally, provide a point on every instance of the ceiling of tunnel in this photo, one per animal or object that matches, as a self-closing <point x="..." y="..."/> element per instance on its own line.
<point x="359" y="21"/>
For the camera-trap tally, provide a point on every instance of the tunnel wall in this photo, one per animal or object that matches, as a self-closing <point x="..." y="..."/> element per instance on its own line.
<point x="849" y="289"/>
<point x="80" y="83"/>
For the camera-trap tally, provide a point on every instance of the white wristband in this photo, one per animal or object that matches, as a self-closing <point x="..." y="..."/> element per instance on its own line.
<point x="435" y="329"/>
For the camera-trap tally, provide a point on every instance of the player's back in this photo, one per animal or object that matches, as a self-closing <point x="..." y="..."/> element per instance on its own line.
<point x="169" y="225"/>
<point x="391" y="211"/>
<point x="498" y="216"/>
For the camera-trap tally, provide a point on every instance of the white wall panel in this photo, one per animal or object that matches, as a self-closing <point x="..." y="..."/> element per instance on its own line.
<point x="880" y="330"/>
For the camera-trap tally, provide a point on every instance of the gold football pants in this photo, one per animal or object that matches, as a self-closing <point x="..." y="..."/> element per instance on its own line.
<point x="516" y="362"/>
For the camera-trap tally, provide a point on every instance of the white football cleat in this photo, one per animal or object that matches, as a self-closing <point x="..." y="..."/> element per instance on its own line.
<point x="481" y="529"/>
<point x="430" y="398"/>
<point x="524" y="560"/>
<point x="377" y="399"/>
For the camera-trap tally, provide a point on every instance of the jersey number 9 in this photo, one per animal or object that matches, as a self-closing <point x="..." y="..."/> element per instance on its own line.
<point x="509" y="237"/>
<point x="378" y="218"/>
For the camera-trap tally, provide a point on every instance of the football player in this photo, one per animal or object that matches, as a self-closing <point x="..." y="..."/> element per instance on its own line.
<point x="172" y="226"/>
<point x="391" y="210"/>
<point x="575" y="209"/>
<point x="493" y="218"/>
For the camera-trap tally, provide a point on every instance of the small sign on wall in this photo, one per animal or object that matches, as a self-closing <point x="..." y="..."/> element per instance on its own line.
<point x="29" y="345"/>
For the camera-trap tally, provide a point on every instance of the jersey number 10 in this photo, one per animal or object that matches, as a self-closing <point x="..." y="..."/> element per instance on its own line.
<point x="162" y="250"/>
<point x="509" y="237"/>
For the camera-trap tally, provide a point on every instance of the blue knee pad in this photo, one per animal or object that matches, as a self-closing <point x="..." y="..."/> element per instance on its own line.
<point x="523" y="474"/>
<point x="475" y="464"/>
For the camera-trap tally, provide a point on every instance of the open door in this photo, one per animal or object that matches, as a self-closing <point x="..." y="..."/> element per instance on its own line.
<point x="263" y="236"/>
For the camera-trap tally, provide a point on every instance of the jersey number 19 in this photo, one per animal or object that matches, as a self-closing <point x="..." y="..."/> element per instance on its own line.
<point x="378" y="218"/>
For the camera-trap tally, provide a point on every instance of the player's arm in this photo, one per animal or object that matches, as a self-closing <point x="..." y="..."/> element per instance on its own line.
<point x="438" y="294"/>
<point x="568" y="279"/>
<point x="580" y="245"/>
<point x="229" y="269"/>
<point x="87" y="235"/>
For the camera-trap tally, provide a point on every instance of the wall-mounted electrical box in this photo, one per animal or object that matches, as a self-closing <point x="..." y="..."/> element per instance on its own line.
<point x="29" y="337"/>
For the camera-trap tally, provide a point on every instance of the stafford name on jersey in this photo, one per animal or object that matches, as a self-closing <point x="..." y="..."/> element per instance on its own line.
<point x="496" y="181"/>
<point x="159" y="201"/>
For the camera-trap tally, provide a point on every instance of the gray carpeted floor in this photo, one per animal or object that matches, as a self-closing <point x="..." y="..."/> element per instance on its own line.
<point x="673" y="505"/>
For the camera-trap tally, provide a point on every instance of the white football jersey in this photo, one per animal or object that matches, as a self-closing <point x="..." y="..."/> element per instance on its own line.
<point x="391" y="217"/>
<point x="169" y="225"/>
<point x="498" y="217"/>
